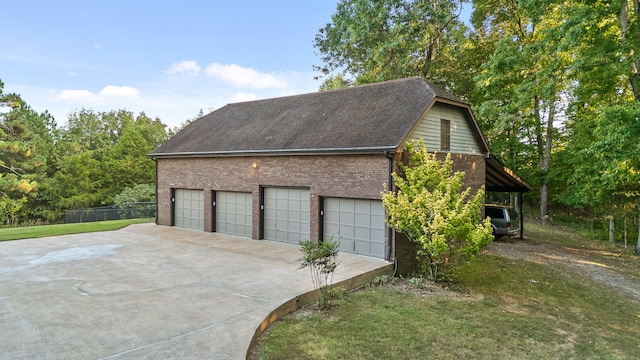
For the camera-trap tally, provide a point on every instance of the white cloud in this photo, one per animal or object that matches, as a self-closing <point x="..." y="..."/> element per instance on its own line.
<point x="187" y="67"/>
<point x="97" y="46"/>
<point x="240" y="76"/>
<point x="87" y="97"/>
<point x="71" y="73"/>
<point x="77" y="96"/>
<point x="169" y="98"/>
<point x="120" y="92"/>
<point x="241" y="97"/>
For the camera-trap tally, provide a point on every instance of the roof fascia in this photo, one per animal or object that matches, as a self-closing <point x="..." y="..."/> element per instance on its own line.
<point x="301" y="152"/>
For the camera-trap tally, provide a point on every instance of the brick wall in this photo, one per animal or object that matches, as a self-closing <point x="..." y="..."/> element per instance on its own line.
<point x="349" y="176"/>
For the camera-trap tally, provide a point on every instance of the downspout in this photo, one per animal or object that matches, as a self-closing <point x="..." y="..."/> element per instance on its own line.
<point x="157" y="197"/>
<point x="389" y="187"/>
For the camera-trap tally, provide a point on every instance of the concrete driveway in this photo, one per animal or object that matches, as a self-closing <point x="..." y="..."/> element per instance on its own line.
<point x="146" y="292"/>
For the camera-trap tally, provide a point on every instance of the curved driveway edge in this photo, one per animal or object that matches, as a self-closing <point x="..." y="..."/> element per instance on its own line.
<point x="307" y="298"/>
<point x="147" y="292"/>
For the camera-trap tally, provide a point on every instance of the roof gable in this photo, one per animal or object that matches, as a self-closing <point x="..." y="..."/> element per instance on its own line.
<point x="374" y="117"/>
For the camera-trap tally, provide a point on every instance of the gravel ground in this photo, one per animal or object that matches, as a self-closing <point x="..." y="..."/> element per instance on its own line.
<point x="601" y="266"/>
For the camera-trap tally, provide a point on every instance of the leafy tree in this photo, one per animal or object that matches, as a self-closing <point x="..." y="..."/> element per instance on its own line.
<point x="104" y="153"/>
<point x="603" y="126"/>
<point x="430" y="206"/>
<point x="80" y="181"/>
<point x="128" y="201"/>
<point x="25" y="144"/>
<point x="609" y="168"/>
<point x="373" y="41"/>
<point x="138" y="193"/>
<point x="334" y="82"/>
<point x="524" y="82"/>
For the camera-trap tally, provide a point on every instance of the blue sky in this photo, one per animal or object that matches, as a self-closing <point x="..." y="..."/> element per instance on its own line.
<point x="167" y="58"/>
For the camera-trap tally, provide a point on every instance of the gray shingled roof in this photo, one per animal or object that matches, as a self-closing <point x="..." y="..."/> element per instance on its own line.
<point x="373" y="117"/>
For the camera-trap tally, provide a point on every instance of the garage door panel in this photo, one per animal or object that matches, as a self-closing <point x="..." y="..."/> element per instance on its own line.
<point x="286" y="214"/>
<point x="347" y="217"/>
<point x="361" y="233"/>
<point x="362" y="246"/>
<point x="189" y="208"/>
<point x="234" y="213"/>
<point x="362" y="219"/>
<point x="357" y="224"/>
<point x="295" y="215"/>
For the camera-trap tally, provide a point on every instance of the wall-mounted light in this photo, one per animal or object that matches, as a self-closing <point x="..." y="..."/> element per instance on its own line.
<point x="255" y="165"/>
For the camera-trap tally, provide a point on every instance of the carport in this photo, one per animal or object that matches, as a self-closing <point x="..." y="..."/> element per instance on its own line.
<point x="500" y="178"/>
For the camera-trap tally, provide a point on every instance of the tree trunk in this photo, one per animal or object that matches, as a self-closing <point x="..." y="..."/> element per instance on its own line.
<point x="544" y="154"/>
<point x="544" y="202"/>
<point x="638" y="243"/>
<point x="539" y="148"/>
<point x="631" y="40"/>
<point x="625" y="229"/>
<point x="611" y="229"/>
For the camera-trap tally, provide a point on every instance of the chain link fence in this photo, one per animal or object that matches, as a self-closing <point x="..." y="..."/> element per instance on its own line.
<point x="116" y="212"/>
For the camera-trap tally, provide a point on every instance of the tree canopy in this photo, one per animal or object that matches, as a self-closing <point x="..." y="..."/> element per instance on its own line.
<point x="555" y="85"/>
<point x="45" y="169"/>
<point x="372" y="41"/>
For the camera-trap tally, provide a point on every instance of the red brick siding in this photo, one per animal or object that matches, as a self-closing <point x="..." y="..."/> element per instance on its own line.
<point x="350" y="176"/>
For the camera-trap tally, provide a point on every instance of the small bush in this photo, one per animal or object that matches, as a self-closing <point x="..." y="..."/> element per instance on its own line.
<point x="320" y="258"/>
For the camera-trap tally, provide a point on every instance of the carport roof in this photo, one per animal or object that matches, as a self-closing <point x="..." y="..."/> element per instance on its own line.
<point x="500" y="178"/>
<point x="371" y="118"/>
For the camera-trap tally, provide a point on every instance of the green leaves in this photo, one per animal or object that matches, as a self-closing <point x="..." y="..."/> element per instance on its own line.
<point x="372" y="41"/>
<point x="430" y="207"/>
<point x="320" y="258"/>
<point x="104" y="153"/>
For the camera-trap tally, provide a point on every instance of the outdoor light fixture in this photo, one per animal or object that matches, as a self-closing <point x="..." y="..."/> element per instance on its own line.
<point x="255" y="165"/>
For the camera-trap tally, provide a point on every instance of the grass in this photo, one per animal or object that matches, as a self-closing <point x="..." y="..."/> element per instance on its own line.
<point x="516" y="309"/>
<point x="64" y="229"/>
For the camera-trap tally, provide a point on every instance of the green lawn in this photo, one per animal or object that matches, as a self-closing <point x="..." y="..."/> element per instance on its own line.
<point x="63" y="229"/>
<point x="504" y="309"/>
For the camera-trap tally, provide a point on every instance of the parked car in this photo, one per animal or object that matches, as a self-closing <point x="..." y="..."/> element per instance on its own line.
<point x="504" y="220"/>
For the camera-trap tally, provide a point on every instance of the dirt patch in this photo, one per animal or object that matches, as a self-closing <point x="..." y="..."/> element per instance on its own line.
<point x="427" y="290"/>
<point x="607" y="267"/>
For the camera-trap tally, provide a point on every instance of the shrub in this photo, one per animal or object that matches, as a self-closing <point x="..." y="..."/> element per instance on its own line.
<point x="320" y="258"/>
<point x="430" y="207"/>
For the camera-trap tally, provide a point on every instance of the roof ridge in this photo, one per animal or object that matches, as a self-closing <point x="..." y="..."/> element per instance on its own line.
<point x="429" y="84"/>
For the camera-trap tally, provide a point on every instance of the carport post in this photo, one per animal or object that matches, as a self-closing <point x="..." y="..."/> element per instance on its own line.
<point x="521" y="215"/>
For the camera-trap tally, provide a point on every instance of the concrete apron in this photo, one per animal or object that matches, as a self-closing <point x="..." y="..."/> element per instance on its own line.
<point x="148" y="292"/>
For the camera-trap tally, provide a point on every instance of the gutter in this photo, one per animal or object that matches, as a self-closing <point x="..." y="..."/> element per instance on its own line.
<point x="284" y="152"/>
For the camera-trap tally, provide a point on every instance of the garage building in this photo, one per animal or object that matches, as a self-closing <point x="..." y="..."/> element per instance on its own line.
<point x="311" y="166"/>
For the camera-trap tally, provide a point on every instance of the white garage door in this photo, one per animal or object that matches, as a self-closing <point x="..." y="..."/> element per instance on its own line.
<point x="357" y="224"/>
<point x="189" y="209"/>
<point x="234" y="213"/>
<point x="286" y="214"/>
